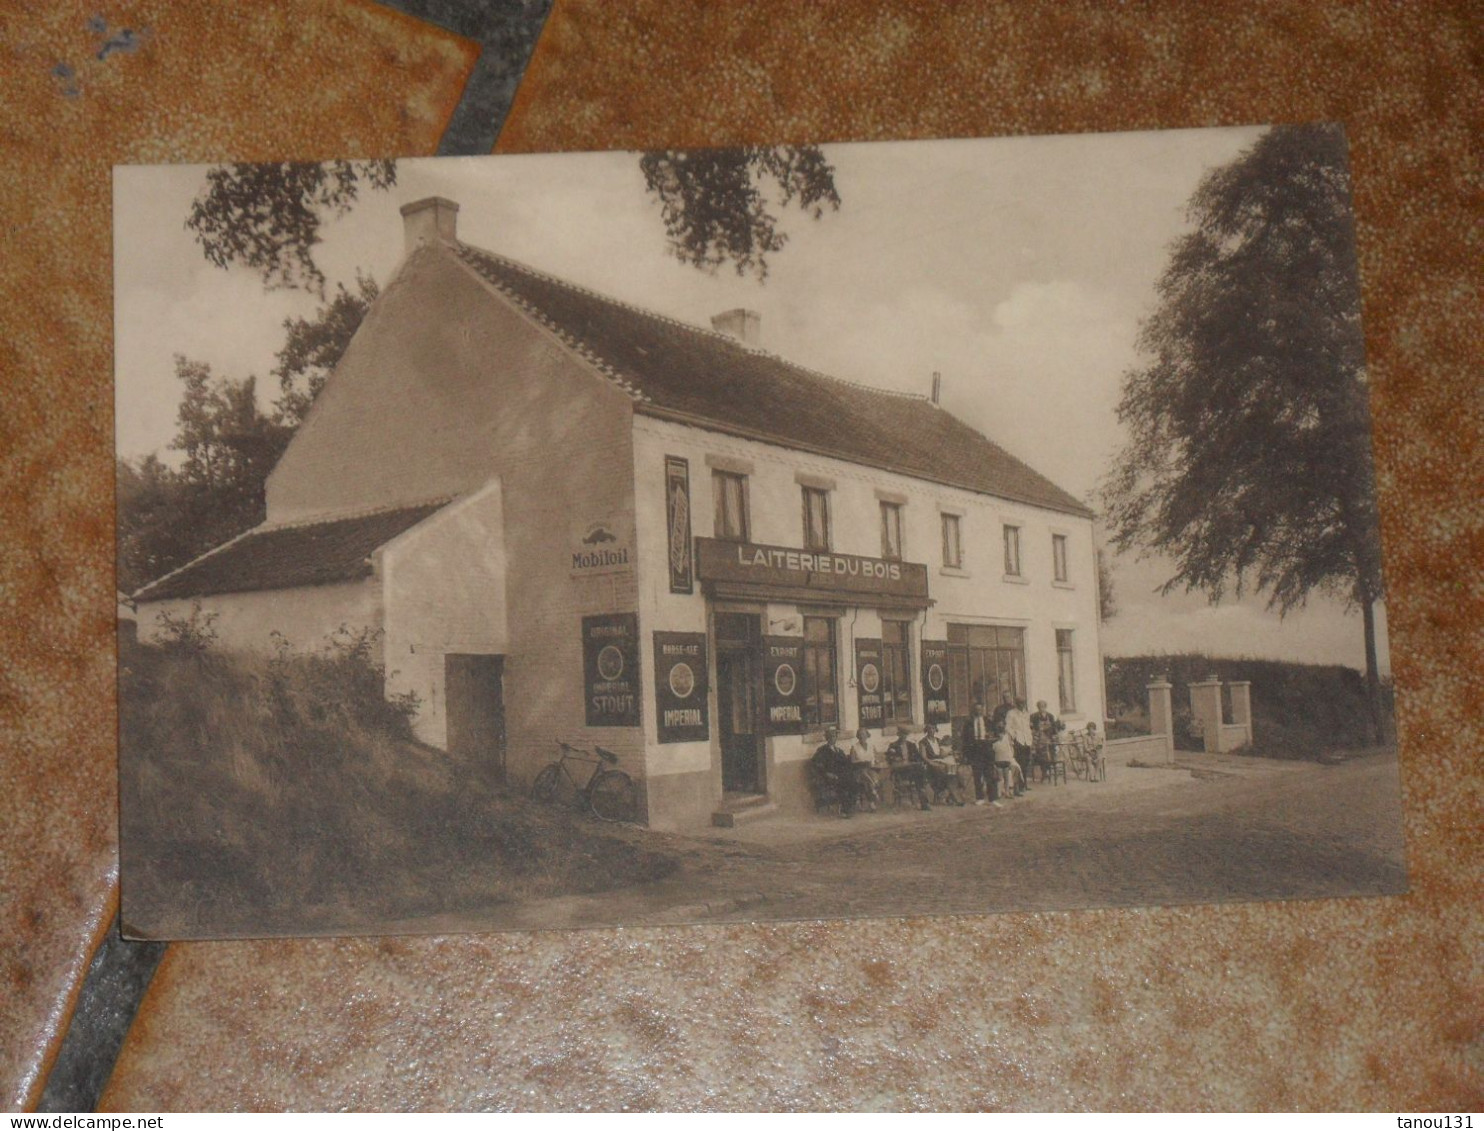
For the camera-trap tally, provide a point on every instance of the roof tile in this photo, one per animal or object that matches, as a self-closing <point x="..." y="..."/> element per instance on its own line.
<point x="285" y="557"/>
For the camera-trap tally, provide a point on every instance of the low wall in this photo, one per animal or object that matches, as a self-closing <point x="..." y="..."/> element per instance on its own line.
<point x="1234" y="736"/>
<point x="1144" y="748"/>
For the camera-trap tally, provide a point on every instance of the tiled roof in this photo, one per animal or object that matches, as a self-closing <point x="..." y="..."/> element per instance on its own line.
<point x="675" y="370"/>
<point x="285" y="557"/>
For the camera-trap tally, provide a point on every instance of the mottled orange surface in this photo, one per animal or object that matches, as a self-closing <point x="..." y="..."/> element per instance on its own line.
<point x="1360" y="1003"/>
<point x="204" y="81"/>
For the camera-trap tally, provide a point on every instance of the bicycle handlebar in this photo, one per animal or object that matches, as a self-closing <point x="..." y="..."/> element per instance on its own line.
<point x="569" y="748"/>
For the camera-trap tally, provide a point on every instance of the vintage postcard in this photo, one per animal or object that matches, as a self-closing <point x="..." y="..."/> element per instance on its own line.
<point x="782" y="533"/>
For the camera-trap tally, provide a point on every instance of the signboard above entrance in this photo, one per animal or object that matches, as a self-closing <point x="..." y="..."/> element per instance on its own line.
<point x="747" y="570"/>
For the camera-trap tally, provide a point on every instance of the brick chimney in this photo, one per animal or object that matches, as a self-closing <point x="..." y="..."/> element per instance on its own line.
<point x="937" y="386"/>
<point x="432" y="218"/>
<point x="744" y="325"/>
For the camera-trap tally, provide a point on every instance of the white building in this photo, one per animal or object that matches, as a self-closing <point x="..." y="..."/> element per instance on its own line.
<point x="572" y="518"/>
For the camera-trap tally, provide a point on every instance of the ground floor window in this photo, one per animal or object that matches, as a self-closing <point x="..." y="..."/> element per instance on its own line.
<point x="984" y="662"/>
<point x="1065" y="672"/>
<point x="821" y="673"/>
<point x="896" y="671"/>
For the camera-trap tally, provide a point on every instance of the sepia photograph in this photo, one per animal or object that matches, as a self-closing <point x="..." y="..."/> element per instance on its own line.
<point x="776" y="533"/>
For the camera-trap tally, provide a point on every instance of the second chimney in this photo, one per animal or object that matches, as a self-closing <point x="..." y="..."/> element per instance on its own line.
<point x="937" y="386"/>
<point x="744" y="325"/>
<point x="432" y="218"/>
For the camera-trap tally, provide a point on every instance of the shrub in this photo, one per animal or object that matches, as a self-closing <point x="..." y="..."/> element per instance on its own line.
<point x="262" y="794"/>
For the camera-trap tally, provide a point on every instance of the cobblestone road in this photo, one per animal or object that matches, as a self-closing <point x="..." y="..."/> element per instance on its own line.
<point x="1241" y="829"/>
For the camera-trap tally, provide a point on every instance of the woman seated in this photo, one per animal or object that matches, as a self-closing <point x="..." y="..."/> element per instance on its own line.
<point x="863" y="763"/>
<point x="1004" y="760"/>
<point x="942" y="770"/>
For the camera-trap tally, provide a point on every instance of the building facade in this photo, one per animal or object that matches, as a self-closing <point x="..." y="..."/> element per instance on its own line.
<point x="567" y="518"/>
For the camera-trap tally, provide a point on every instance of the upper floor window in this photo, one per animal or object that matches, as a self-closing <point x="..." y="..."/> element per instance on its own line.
<point x="891" y="531"/>
<point x="816" y="518"/>
<point x="1012" y="551"/>
<point x="729" y="490"/>
<point x="953" y="542"/>
<point x="1059" y="556"/>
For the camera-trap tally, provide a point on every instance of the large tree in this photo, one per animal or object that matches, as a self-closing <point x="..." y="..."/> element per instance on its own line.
<point x="1248" y="461"/>
<point x="717" y="206"/>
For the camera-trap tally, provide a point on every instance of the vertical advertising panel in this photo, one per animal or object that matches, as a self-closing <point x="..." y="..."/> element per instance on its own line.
<point x="783" y="683"/>
<point x="610" y="663"/>
<point x="868" y="683"/>
<point x="677" y="505"/>
<point x="935" y="681"/>
<point x="680" y="686"/>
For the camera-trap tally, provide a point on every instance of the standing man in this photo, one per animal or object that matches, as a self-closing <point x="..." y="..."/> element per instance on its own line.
<point x="980" y="755"/>
<point x="1002" y="712"/>
<point x="1018" y="727"/>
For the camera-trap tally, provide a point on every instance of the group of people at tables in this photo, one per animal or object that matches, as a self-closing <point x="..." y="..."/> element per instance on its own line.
<point x="1001" y="751"/>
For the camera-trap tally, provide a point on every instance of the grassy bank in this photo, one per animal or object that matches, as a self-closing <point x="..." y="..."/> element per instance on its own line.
<point x="263" y="796"/>
<point x="1298" y="710"/>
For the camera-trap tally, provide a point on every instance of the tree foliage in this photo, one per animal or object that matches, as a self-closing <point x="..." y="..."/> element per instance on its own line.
<point x="168" y="516"/>
<point x="1107" y="599"/>
<point x="268" y="216"/>
<point x="715" y="202"/>
<point x="1249" y="459"/>
<point x="313" y="346"/>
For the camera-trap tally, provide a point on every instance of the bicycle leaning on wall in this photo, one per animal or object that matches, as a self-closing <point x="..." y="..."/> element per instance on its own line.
<point x="609" y="794"/>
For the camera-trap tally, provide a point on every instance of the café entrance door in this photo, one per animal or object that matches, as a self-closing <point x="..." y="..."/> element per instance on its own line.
<point x="739" y="700"/>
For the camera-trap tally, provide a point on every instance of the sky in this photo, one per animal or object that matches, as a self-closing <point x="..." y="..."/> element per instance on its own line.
<point x="1018" y="268"/>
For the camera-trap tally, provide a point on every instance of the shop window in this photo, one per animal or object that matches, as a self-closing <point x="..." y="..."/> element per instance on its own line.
<point x="1012" y="551"/>
<point x="1059" y="557"/>
<point x="821" y="673"/>
<point x="729" y="490"/>
<point x="953" y="542"/>
<point x="816" y="518"/>
<point x="984" y="661"/>
<point x="1066" y="677"/>
<point x="891" y="531"/>
<point x="896" y="671"/>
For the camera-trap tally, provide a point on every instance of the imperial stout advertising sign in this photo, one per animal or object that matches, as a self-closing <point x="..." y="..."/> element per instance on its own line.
<point x="868" y="682"/>
<point x="810" y="574"/>
<point x="610" y="663"/>
<point x="783" y="683"/>
<point x="935" y="680"/>
<point x="680" y="686"/>
<point x="677" y="507"/>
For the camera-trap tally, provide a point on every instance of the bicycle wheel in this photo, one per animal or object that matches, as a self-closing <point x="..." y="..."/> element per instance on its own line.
<point x="544" y="788"/>
<point x="613" y="796"/>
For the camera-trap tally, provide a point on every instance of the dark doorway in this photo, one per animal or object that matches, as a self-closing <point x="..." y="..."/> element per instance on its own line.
<point x="739" y="694"/>
<point x="475" y="697"/>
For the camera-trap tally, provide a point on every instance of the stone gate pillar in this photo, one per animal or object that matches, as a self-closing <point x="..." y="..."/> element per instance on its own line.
<point x="1242" y="707"/>
<point x="1205" y="705"/>
<point x="1162" y="715"/>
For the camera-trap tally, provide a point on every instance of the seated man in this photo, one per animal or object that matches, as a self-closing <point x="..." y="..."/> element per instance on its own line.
<point x="942" y="770"/>
<point x="833" y="773"/>
<point x="907" y="766"/>
<point x="863" y="763"/>
<point x="1004" y="759"/>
